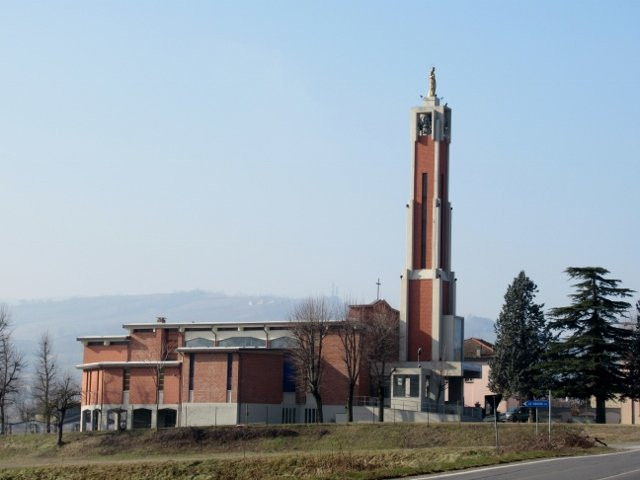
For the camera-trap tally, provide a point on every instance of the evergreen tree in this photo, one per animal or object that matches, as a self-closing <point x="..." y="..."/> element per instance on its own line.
<point x="632" y="381"/>
<point x="587" y="360"/>
<point x="521" y="340"/>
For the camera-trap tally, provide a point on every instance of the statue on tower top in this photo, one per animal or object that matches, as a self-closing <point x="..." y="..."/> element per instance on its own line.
<point x="432" y="82"/>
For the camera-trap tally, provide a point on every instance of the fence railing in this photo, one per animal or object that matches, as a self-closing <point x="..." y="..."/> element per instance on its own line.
<point x="369" y="401"/>
<point x="426" y="406"/>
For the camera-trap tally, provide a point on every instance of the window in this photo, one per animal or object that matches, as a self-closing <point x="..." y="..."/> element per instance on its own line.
<point x="443" y="229"/>
<point x="200" y="342"/>
<point x="288" y="375"/>
<point x="310" y="415"/>
<point x="142" y="330"/>
<point x="406" y="386"/>
<point x="288" y="415"/>
<point x="161" y="380"/>
<point x="229" y="371"/>
<point x="242" y="342"/>
<point x="458" y="338"/>
<point x="126" y="379"/>
<point x="423" y="223"/>
<point x="284" y="342"/>
<point x="192" y="366"/>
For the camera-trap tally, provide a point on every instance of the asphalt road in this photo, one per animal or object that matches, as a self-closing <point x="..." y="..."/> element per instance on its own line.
<point x="624" y="465"/>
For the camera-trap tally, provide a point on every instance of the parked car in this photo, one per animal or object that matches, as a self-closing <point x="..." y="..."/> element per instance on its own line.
<point x="518" y="414"/>
<point x="492" y="418"/>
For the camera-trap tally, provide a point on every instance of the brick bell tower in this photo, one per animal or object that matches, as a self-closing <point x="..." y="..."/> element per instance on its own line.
<point x="429" y="328"/>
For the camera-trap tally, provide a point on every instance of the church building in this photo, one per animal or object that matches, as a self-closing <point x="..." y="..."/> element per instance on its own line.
<point x="186" y="374"/>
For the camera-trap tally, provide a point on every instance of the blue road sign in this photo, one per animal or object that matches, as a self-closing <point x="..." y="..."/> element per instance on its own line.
<point x="537" y="403"/>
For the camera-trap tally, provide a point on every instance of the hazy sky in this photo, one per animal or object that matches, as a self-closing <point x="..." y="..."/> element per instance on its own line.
<point x="262" y="147"/>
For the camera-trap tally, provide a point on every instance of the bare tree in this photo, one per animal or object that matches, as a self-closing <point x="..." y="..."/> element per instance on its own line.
<point x="11" y="365"/>
<point x="157" y="358"/>
<point x="44" y="378"/>
<point x="309" y="327"/>
<point x="25" y="408"/>
<point x="65" y="395"/>
<point x="351" y="331"/>
<point x="442" y="384"/>
<point x="381" y="348"/>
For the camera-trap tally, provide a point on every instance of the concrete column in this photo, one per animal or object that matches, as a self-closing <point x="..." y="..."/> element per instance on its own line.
<point x="129" y="418"/>
<point x="154" y="418"/>
<point x="104" y="419"/>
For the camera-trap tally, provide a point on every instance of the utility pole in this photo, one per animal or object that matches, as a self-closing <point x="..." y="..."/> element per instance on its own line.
<point x="495" y="421"/>
<point x="378" y="284"/>
<point x="549" y="416"/>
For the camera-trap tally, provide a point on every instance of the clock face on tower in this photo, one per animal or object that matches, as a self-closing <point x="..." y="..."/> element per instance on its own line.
<point x="424" y="124"/>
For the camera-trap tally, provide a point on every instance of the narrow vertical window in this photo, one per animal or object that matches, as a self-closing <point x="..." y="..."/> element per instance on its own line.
<point x="126" y="380"/>
<point x="161" y="381"/>
<point x="229" y="370"/>
<point x="443" y="232"/>
<point x="192" y="365"/>
<point x="423" y="224"/>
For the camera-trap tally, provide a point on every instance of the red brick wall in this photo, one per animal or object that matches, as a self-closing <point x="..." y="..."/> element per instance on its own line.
<point x="93" y="385"/>
<point x="171" y="385"/>
<point x="112" y="385"/>
<point x="145" y="346"/>
<point x="89" y="390"/>
<point x="260" y="377"/>
<point x="174" y="339"/>
<point x="210" y="377"/>
<point x="365" y="313"/>
<point x="419" y="326"/>
<point x="142" y="386"/>
<point x="153" y="345"/>
<point x="334" y="385"/>
<point x="105" y="353"/>
<point x="424" y="163"/>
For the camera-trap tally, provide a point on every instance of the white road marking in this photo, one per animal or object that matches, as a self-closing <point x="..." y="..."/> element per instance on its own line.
<point x="620" y="474"/>
<point x="509" y="465"/>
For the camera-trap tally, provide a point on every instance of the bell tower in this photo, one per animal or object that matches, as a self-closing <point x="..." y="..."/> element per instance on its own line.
<point x="429" y="329"/>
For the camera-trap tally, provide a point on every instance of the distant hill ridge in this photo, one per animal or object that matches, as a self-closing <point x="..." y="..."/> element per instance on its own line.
<point x="69" y="318"/>
<point x="104" y="315"/>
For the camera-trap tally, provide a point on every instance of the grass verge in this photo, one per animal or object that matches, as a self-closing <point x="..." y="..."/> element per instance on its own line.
<point x="290" y="451"/>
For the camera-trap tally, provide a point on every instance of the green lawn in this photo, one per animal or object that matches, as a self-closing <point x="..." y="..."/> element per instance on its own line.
<point x="360" y="451"/>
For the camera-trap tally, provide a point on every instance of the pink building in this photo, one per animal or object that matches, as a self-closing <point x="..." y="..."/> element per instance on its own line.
<point x="476" y="390"/>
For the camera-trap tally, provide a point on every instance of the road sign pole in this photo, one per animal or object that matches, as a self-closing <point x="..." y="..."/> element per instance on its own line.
<point x="549" y="416"/>
<point x="495" y="421"/>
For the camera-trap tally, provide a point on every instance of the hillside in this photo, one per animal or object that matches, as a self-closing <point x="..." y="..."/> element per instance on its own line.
<point x="69" y="318"/>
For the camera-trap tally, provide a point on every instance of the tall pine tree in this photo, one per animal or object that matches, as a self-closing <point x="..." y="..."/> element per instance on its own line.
<point x="632" y="363"/>
<point x="587" y="359"/>
<point x="521" y="340"/>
